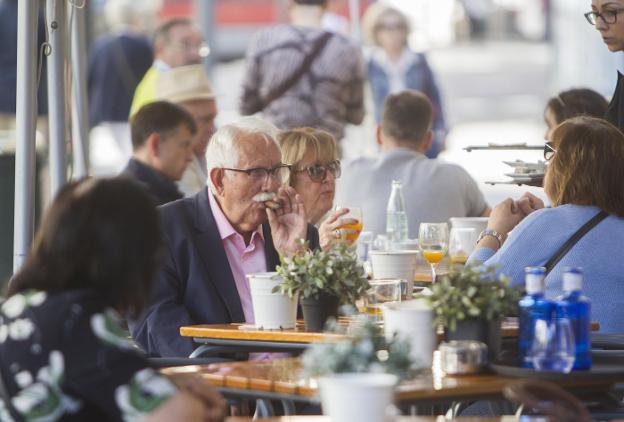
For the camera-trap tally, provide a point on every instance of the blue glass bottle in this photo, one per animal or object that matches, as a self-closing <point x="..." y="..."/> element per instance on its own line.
<point x="531" y="307"/>
<point x="577" y="309"/>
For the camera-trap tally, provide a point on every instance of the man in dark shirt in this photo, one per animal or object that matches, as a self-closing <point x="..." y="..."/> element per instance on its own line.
<point x="162" y="142"/>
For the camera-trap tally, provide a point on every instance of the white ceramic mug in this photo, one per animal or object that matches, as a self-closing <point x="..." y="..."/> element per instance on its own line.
<point x="361" y="397"/>
<point x="413" y="320"/>
<point x="271" y="310"/>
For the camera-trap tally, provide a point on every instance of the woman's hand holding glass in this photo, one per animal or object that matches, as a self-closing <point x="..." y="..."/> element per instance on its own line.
<point x="433" y="241"/>
<point x="343" y="224"/>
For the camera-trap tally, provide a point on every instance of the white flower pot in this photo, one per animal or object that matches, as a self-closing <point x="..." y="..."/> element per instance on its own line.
<point x="395" y="264"/>
<point x="413" y="320"/>
<point x="271" y="310"/>
<point x="365" y="397"/>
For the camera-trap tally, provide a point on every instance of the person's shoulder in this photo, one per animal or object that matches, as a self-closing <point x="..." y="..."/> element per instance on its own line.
<point x="173" y="209"/>
<point x="358" y="163"/>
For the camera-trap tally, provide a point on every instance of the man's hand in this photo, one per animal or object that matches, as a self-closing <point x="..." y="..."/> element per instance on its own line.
<point x="288" y="223"/>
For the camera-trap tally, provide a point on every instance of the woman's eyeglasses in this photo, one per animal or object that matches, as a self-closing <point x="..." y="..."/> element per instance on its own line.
<point x="318" y="172"/>
<point x="549" y="151"/>
<point x="608" y="16"/>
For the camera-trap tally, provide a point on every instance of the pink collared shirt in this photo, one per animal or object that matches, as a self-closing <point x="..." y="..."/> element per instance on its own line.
<point x="243" y="259"/>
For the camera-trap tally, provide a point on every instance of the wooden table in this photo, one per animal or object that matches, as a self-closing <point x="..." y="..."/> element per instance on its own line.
<point x="400" y="419"/>
<point x="282" y="380"/>
<point x="295" y="340"/>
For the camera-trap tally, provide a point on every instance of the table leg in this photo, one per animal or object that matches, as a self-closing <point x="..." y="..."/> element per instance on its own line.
<point x="264" y="409"/>
<point x="289" y="407"/>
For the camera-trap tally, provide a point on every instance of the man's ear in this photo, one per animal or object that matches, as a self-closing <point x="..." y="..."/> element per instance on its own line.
<point x="153" y="144"/>
<point x="216" y="177"/>
<point x="426" y="144"/>
<point x="379" y="135"/>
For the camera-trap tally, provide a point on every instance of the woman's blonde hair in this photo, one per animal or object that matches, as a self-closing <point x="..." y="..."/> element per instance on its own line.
<point x="373" y="17"/>
<point x="296" y="143"/>
<point x="587" y="166"/>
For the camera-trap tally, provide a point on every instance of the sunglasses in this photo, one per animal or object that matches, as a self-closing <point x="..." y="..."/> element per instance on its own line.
<point x="549" y="151"/>
<point x="318" y="172"/>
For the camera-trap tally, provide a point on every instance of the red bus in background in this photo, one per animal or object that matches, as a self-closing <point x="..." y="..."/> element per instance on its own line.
<point x="237" y="20"/>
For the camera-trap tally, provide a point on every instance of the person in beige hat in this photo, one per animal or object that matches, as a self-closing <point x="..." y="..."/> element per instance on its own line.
<point x="188" y="87"/>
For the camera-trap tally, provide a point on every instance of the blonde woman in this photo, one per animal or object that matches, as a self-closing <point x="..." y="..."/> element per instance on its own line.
<point x="393" y="67"/>
<point x="313" y="155"/>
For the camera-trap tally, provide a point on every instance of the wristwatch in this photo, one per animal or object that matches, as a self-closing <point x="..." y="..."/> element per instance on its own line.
<point x="489" y="232"/>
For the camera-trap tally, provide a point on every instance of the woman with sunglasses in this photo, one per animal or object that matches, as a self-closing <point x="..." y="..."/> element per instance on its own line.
<point x="313" y="155"/>
<point x="608" y="18"/>
<point x="393" y="67"/>
<point x="583" y="181"/>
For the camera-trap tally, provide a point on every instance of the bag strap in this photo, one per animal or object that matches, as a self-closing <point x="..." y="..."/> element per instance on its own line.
<point x="127" y="76"/>
<point x="319" y="45"/>
<point x="565" y="248"/>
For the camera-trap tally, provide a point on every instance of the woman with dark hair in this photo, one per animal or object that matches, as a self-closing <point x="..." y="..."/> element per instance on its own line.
<point x="583" y="181"/>
<point x="63" y="354"/>
<point x="608" y="18"/>
<point x="572" y="103"/>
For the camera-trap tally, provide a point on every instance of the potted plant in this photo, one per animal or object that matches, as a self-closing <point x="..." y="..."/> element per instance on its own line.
<point x="470" y="304"/>
<point x="363" y="369"/>
<point x="323" y="280"/>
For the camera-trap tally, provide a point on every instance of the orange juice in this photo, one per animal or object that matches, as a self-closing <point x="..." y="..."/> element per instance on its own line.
<point x="352" y="237"/>
<point x="433" y="257"/>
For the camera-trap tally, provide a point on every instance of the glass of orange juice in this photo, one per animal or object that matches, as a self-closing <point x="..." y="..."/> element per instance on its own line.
<point x="352" y="231"/>
<point x="433" y="241"/>
<point x="461" y="244"/>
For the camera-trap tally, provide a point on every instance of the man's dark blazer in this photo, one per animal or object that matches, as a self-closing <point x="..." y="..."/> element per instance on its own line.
<point x="195" y="284"/>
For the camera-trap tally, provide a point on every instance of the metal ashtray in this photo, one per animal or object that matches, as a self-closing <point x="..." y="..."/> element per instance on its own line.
<point x="462" y="357"/>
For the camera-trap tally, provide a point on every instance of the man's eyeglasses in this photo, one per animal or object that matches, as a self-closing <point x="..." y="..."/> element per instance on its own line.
<point x="318" y="172"/>
<point x="607" y="16"/>
<point x="549" y="151"/>
<point x="260" y="174"/>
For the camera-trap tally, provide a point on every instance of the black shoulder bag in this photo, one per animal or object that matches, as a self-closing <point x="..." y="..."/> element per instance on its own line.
<point x="565" y="248"/>
<point x="253" y="97"/>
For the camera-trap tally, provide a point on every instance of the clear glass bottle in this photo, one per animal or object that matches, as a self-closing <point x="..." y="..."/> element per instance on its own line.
<point x="532" y="306"/>
<point x="396" y="217"/>
<point x="576" y="307"/>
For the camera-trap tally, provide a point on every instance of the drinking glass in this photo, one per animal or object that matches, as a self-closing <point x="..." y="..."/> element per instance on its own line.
<point x="461" y="244"/>
<point x="433" y="243"/>
<point x="356" y="214"/>
<point x="553" y="348"/>
<point x="382" y="290"/>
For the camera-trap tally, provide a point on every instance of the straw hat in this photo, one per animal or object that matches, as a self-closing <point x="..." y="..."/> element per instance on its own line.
<point x="185" y="83"/>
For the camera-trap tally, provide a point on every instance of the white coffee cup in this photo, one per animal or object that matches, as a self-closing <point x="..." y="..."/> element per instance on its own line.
<point x="412" y="320"/>
<point x="361" y="397"/>
<point x="271" y="310"/>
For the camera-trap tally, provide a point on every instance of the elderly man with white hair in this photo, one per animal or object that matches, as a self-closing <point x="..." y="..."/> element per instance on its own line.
<point x="224" y="232"/>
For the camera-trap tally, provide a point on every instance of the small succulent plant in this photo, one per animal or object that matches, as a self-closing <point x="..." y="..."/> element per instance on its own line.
<point x="472" y="293"/>
<point x="335" y="272"/>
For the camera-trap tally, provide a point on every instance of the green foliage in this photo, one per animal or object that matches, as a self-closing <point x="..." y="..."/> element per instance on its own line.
<point x="472" y="293"/>
<point x="366" y="351"/>
<point x="335" y="272"/>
